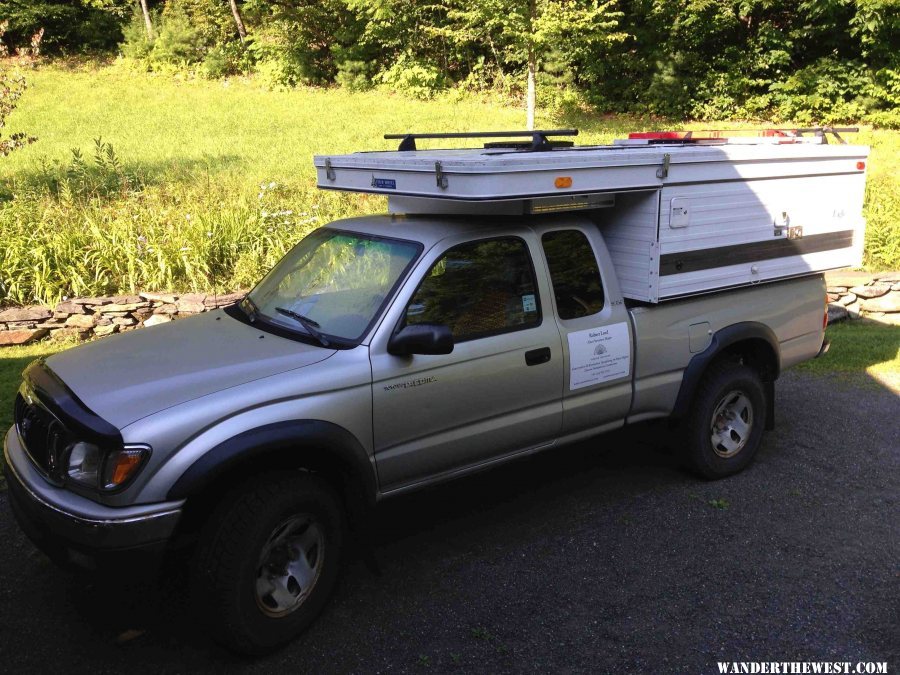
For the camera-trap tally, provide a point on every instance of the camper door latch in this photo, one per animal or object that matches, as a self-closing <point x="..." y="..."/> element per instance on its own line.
<point x="439" y="176"/>
<point x="329" y="170"/>
<point x="663" y="171"/>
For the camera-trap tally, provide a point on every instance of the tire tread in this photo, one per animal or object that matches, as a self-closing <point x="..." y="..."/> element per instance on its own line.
<point x="223" y="542"/>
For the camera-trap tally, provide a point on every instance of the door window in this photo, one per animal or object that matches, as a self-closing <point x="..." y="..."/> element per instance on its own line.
<point x="574" y="273"/>
<point x="478" y="289"/>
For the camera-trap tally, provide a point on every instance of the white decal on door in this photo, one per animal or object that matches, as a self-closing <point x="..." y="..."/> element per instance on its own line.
<point x="599" y="355"/>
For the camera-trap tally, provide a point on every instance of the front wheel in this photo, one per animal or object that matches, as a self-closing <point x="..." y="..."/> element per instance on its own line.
<point x="725" y="426"/>
<point x="268" y="560"/>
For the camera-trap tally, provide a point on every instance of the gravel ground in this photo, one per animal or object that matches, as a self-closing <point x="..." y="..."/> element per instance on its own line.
<point x="604" y="556"/>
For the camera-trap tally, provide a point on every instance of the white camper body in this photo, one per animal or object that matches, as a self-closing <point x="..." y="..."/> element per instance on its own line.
<point x="678" y="218"/>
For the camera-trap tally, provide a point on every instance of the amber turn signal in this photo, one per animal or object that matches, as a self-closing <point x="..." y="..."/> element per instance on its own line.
<point x="563" y="182"/>
<point x="122" y="465"/>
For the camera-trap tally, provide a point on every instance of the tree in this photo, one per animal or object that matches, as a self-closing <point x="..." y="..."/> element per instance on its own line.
<point x="527" y="30"/>
<point x="148" y="24"/>
<point x="238" y="20"/>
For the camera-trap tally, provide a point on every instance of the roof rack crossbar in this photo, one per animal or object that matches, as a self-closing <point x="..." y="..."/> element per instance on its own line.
<point x="824" y="131"/>
<point x="539" y="139"/>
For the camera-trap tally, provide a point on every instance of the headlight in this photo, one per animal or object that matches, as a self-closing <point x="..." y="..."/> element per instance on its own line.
<point x="90" y="466"/>
<point x="84" y="463"/>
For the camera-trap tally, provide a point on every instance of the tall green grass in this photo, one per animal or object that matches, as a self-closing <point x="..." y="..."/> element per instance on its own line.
<point x="201" y="185"/>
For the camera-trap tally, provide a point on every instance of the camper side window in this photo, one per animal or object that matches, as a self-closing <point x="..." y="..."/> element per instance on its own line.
<point x="479" y="288"/>
<point x="574" y="273"/>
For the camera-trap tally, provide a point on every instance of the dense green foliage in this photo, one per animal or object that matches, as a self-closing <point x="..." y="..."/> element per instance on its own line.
<point x="12" y="85"/>
<point x="204" y="185"/>
<point x="807" y="61"/>
<point x="70" y="26"/>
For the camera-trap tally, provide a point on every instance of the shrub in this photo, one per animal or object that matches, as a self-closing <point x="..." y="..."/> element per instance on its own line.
<point x="354" y="75"/>
<point x="188" y="32"/>
<point x="177" y="43"/>
<point x="826" y="92"/>
<point x="12" y="85"/>
<point x="882" y="250"/>
<point x="280" y="61"/>
<point x="885" y="119"/>
<point x="414" y="78"/>
<point x="230" y="58"/>
<point x="135" y="44"/>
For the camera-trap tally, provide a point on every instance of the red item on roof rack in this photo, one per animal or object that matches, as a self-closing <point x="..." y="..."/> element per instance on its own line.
<point x="706" y="134"/>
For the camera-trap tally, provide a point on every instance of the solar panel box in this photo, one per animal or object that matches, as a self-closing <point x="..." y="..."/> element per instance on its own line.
<point x="680" y="216"/>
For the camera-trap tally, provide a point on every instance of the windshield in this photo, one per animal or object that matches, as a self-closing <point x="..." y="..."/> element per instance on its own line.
<point x="332" y="283"/>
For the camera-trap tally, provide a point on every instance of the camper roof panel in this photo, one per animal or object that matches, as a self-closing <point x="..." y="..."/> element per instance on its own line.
<point x="503" y="174"/>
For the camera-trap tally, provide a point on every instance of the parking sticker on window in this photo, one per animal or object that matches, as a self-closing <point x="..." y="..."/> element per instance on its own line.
<point x="528" y="303"/>
<point x="599" y="355"/>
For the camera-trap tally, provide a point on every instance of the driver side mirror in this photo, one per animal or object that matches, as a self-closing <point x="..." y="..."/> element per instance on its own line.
<point x="422" y="338"/>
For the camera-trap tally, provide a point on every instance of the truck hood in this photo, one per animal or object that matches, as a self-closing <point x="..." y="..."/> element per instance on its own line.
<point x="126" y="377"/>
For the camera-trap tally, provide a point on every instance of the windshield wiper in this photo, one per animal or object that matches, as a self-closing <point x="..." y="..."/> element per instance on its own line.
<point x="307" y="323"/>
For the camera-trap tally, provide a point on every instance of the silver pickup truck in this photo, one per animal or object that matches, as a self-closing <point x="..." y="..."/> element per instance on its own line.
<point x="381" y="355"/>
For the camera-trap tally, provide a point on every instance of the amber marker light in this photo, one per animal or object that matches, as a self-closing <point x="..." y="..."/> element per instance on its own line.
<point x="121" y="465"/>
<point x="563" y="182"/>
<point x="859" y="165"/>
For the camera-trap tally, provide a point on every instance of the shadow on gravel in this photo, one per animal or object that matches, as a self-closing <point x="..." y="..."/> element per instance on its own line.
<point x="155" y="613"/>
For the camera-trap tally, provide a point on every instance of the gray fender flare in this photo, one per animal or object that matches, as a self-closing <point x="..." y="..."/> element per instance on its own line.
<point x="314" y="438"/>
<point x="721" y="340"/>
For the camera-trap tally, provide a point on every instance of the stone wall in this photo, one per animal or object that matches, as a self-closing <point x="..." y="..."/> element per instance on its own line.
<point x="88" y="317"/>
<point x="851" y="295"/>
<point x="857" y="295"/>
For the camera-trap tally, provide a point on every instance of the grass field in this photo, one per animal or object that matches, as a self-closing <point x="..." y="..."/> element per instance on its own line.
<point x="209" y="182"/>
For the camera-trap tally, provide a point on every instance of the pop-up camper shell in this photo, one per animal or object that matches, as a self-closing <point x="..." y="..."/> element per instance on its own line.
<point x="680" y="214"/>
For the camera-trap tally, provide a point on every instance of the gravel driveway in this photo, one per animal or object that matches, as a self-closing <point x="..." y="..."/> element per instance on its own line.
<point x="599" y="557"/>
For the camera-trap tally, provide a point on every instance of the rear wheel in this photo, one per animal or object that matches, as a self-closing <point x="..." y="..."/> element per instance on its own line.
<point x="268" y="560"/>
<point x="725" y="426"/>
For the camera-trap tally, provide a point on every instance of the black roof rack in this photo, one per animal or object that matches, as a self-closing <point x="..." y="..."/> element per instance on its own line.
<point x="539" y="141"/>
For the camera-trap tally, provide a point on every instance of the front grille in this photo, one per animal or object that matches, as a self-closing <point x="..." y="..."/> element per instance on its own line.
<point x="43" y="436"/>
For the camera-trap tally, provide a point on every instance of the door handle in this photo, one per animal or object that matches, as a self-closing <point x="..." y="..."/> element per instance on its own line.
<point x="536" y="357"/>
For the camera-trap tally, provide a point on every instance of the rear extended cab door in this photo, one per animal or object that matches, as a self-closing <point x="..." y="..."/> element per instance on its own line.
<point x="597" y="335"/>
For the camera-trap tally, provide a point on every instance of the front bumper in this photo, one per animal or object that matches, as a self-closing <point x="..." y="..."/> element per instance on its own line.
<point x="66" y="525"/>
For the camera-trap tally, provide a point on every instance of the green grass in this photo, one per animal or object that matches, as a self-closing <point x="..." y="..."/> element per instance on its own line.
<point x="12" y="362"/>
<point x="860" y="347"/>
<point x="179" y="205"/>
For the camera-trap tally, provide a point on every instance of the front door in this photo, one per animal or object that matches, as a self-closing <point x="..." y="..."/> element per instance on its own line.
<point x="500" y="391"/>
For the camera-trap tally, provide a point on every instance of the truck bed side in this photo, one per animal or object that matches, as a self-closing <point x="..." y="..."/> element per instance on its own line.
<point x="670" y="334"/>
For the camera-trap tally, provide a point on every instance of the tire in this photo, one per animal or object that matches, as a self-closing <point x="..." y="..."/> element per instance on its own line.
<point x="253" y="587"/>
<point x="724" y="429"/>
